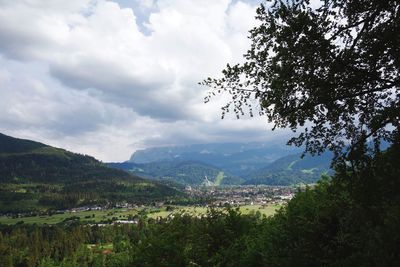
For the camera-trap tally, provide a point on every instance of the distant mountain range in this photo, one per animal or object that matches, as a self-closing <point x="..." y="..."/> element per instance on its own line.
<point x="228" y="164"/>
<point x="35" y="176"/>
<point x="182" y="172"/>
<point x="238" y="158"/>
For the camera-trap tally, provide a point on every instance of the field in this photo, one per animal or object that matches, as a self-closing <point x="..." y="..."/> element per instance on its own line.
<point x="97" y="216"/>
<point x="219" y="178"/>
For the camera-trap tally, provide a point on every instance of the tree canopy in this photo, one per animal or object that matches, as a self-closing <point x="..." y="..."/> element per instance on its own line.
<point x="329" y="71"/>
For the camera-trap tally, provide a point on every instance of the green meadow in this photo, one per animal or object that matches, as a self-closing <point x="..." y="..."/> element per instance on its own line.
<point x="98" y="216"/>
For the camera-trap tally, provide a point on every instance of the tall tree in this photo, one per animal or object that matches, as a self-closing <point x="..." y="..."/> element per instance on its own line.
<point x="329" y="70"/>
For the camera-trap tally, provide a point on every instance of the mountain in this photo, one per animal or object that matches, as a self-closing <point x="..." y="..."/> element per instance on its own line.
<point x="241" y="163"/>
<point x="182" y="172"/>
<point x="35" y="176"/>
<point x="236" y="158"/>
<point x="272" y="163"/>
<point x="293" y="169"/>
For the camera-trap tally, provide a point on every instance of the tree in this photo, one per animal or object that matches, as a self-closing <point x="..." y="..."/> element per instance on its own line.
<point x="331" y="72"/>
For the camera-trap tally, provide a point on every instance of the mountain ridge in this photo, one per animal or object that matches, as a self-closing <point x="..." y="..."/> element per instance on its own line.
<point x="249" y="163"/>
<point x="186" y="172"/>
<point x="235" y="158"/>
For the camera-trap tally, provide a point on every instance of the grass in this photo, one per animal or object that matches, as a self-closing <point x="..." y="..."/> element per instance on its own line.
<point x="85" y="216"/>
<point x="290" y="166"/>
<point x="98" y="216"/>
<point x="99" y="248"/>
<point x="219" y="178"/>
<point x="267" y="210"/>
<point x="27" y="186"/>
<point x="308" y="171"/>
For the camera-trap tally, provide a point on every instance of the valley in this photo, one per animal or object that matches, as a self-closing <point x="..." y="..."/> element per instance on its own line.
<point x="39" y="179"/>
<point x="263" y="199"/>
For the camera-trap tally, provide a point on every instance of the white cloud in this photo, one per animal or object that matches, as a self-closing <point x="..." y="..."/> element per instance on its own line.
<point x="86" y="76"/>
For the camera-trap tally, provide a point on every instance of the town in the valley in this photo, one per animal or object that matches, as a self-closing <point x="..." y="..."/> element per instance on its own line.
<point x="198" y="200"/>
<point x="244" y="195"/>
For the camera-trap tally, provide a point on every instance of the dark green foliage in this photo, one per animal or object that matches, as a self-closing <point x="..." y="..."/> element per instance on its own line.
<point x="349" y="221"/>
<point x="14" y="145"/>
<point x="184" y="241"/>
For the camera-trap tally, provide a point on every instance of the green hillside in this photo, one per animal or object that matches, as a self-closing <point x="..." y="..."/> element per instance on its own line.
<point x="34" y="176"/>
<point x="14" y="145"/>
<point x="292" y="169"/>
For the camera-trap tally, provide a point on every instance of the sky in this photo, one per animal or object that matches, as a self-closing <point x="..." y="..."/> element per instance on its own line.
<point x="106" y="78"/>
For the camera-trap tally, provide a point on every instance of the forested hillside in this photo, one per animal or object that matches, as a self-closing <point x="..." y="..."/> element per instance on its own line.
<point x="293" y="169"/>
<point x="37" y="176"/>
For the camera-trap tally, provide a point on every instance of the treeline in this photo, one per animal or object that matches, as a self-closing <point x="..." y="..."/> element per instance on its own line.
<point x="351" y="219"/>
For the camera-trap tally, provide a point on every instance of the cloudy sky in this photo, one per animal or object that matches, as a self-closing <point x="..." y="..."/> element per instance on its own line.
<point x="108" y="77"/>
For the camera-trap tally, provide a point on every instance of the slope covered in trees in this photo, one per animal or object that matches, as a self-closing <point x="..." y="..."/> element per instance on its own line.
<point x="36" y="176"/>
<point x="292" y="170"/>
